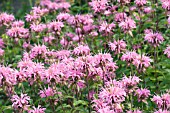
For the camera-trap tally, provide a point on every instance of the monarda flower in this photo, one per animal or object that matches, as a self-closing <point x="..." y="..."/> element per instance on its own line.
<point x="162" y="111"/>
<point x="142" y="94"/>
<point x="129" y="57"/>
<point x="119" y="17"/>
<point x="141" y="62"/>
<point x="106" y="28"/>
<point x="63" y="16"/>
<point x="39" y="109"/>
<point x="167" y="51"/>
<point x="166" y="4"/>
<point x="20" y="102"/>
<point x="18" y="32"/>
<point x="112" y="94"/>
<point x="140" y="2"/>
<point x="81" y="50"/>
<point x="98" y="5"/>
<point x="124" y="1"/>
<point x="127" y="25"/>
<point x="162" y="101"/>
<point x="130" y="83"/>
<point x="117" y="46"/>
<point x="1" y="52"/>
<point x="55" y="26"/>
<point x="18" y="23"/>
<point x="155" y="39"/>
<point x="37" y="27"/>
<point x="6" y="19"/>
<point x="38" y="51"/>
<point x="47" y="92"/>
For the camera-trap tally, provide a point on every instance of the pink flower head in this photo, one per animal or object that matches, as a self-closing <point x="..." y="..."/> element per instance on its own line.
<point x="129" y="57"/>
<point x="158" y="101"/>
<point x="117" y="46"/>
<point x="167" y="51"/>
<point x="140" y="2"/>
<point x="81" y="50"/>
<point x="6" y="19"/>
<point x="32" y="17"/>
<point x="98" y="5"/>
<point x="142" y="94"/>
<point x="112" y="94"/>
<point x="154" y="39"/>
<point x="9" y="76"/>
<point x="142" y="62"/>
<point x="162" y="111"/>
<point x="18" y="32"/>
<point x="49" y="39"/>
<point x="147" y="10"/>
<point x="47" y="92"/>
<point x="127" y="25"/>
<point x="39" y="109"/>
<point x="1" y="52"/>
<point x="21" y="102"/>
<point x="119" y="17"/>
<point x="166" y="4"/>
<point x="18" y="23"/>
<point x="55" y="26"/>
<point x="63" y="16"/>
<point x="38" y="51"/>
<point x="38" y="27"/>
<point x="106" y="28"/>
<point x="130" y="83"/>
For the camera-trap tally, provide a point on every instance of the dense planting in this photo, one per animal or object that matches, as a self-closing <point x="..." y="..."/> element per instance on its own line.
<point x="107" y="56"/>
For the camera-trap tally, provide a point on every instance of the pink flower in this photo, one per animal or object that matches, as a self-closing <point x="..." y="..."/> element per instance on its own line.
<point x="21" y="102"/>
<point x="166" y="4"/>
<point x="117" y="46"/>
<point x="1" y="52"/>
<point x="142" y="62"/>
<point x="6" y="19"/>
<point x="39" y="109"/>
<point x="119" y="17"/>
<point x="32" y="17"/>
<point x="18" y="23"/>
<point x="162" y="111"/>
<point x="129" y="57"/>
<point x="47" y="92"/>
<point x="37" y="27"/>
<point x="55" y="26"/>
<point x="112" y="94"/>
<point x="130" y="83"/>
<point x="147" y="10"/>
<point x="38" y="51"/>
<point x="9" y="76"/>
<point x="63" y="16"/>
<point x="106" y="28"/>
<point x="154" y="39"/>
<point x="158" y="100"/>
<point x="18" y="32"/>
<point x="98" y="5"/>
<point x="142" y="94"/>
<point x="49" y="39"/>
<point x="140" y="2"/>
<point x="81" y="50"/>
<point x="167" y="51"/>
<point x="127" y="25"/>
